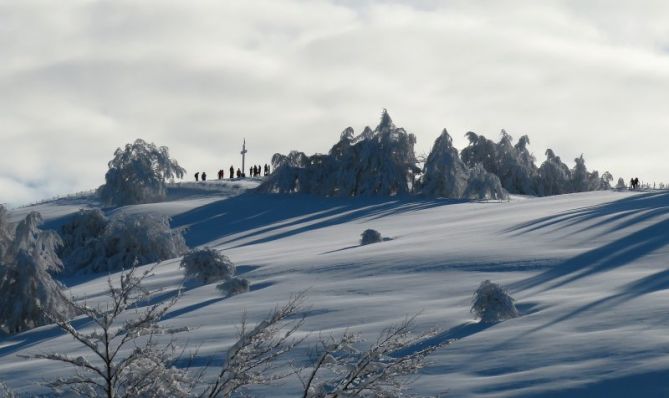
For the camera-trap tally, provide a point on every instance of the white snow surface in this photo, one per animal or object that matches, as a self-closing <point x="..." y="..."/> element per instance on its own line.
<point x="589" y="273"/>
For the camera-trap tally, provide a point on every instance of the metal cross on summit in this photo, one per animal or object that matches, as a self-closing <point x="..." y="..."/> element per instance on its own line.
<point x="244" y="155"/>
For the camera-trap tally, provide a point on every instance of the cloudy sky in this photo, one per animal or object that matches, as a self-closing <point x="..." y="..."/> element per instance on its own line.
<point x="79" y="79"/>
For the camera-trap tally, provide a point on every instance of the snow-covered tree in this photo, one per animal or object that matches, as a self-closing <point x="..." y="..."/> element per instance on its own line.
<point x="250" y="361"/>
<point x="444" y="174"/>
<point x="554" y="176"/>
<point x="480" y="151"/>
<point x="207" y="265"/>
<point x="381" y="370"/>
<point x="124" y="358"/>
<point x="94" y="243"/>
<point x="512" y="164"/>
<point x="605" y="181"/>
<point x="492" y="303"/>
<point x="83" y="241"/>
<point x="380" y="162"/>
<point x="138" y="174"/>
<point x="26" y="285"/>
<point x="234" y="286"/>
<point x="621" y="183"/>
<point x="580" y="180"/>
<point x="483" y="185"/>
<point x="369" y="236"/>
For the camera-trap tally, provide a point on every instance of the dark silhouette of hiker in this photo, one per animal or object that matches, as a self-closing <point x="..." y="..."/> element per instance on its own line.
<point x="220" y="174"/>
<point x="204" y="176"/>
<point x="239" y="173"/>
<point x="197" y="176"/>
<point x="232" y="172"/>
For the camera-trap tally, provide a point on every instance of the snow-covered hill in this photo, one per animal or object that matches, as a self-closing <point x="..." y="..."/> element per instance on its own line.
<point x="589" y="272"/>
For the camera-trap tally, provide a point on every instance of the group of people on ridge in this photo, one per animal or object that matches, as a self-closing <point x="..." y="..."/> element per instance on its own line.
<point x="634" y="183"/>
<point x="254" y="171"/>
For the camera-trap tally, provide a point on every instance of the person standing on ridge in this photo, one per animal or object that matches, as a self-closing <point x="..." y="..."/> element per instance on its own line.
<point x="197" y="176"/>
<point x="232" y="172"/>
<point x="204" y="176"/>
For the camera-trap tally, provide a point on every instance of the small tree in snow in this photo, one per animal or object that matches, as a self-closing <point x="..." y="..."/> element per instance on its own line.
<point x="234" y="286"/>
<point x="620" y="184"/>
<point x="207" y="265"/>
<point x="94" y="243"/>
<point x="26" y="285"/>
<point x="125" y="359"/>
<point x="370" y="236"/>
<point x="137" y="174"/>
<point x="382" y="370"/>
<point x="492" y="303"/>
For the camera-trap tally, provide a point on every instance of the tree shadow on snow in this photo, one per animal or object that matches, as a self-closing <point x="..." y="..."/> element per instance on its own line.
<point x="253" y="218"/>
<point x="651" y="208"/>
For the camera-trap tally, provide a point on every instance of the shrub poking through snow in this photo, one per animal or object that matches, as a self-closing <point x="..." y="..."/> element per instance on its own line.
<point x="208" y="265"/>
<point x="234" y="286"/>
<point x="370" y="236"/>
<point x="492" y="303"/>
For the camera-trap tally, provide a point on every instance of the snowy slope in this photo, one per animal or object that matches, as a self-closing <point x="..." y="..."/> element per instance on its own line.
<point x="589" y="272"/>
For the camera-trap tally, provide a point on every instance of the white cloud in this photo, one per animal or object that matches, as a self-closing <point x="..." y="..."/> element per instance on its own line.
<point x="82" y="79"/>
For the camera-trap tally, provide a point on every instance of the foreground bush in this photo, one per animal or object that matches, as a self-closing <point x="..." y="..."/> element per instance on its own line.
<point x="492" y="303"/>
<point x="370" y="236"/>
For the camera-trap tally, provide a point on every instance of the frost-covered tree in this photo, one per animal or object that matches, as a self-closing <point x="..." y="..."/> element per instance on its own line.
<point x="554" y="176"/>
<point x="83" y="243"/>
<point x="234" y="286"/>
<point x="480" y="151"/>
<point x="621" y="184"/>
<point x="138" y="174"/>
<point x="605" y="181"/>
<point x="444" y="174"/>
<point x="483" y="185"/>
<point x="250" y="361"/>
<point x="94" y="243"/>
<point x="381" y="370"/>
<point x="512" y="164"/>
<point x="492" y="303"/>
<point x="207" y="265"/>
<point x="369" y="236"/>
<point x="580" y="180"/>
<point x="125" y="360"/>
<point x="379" y="162"/>
<point x="25" y="282"/>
